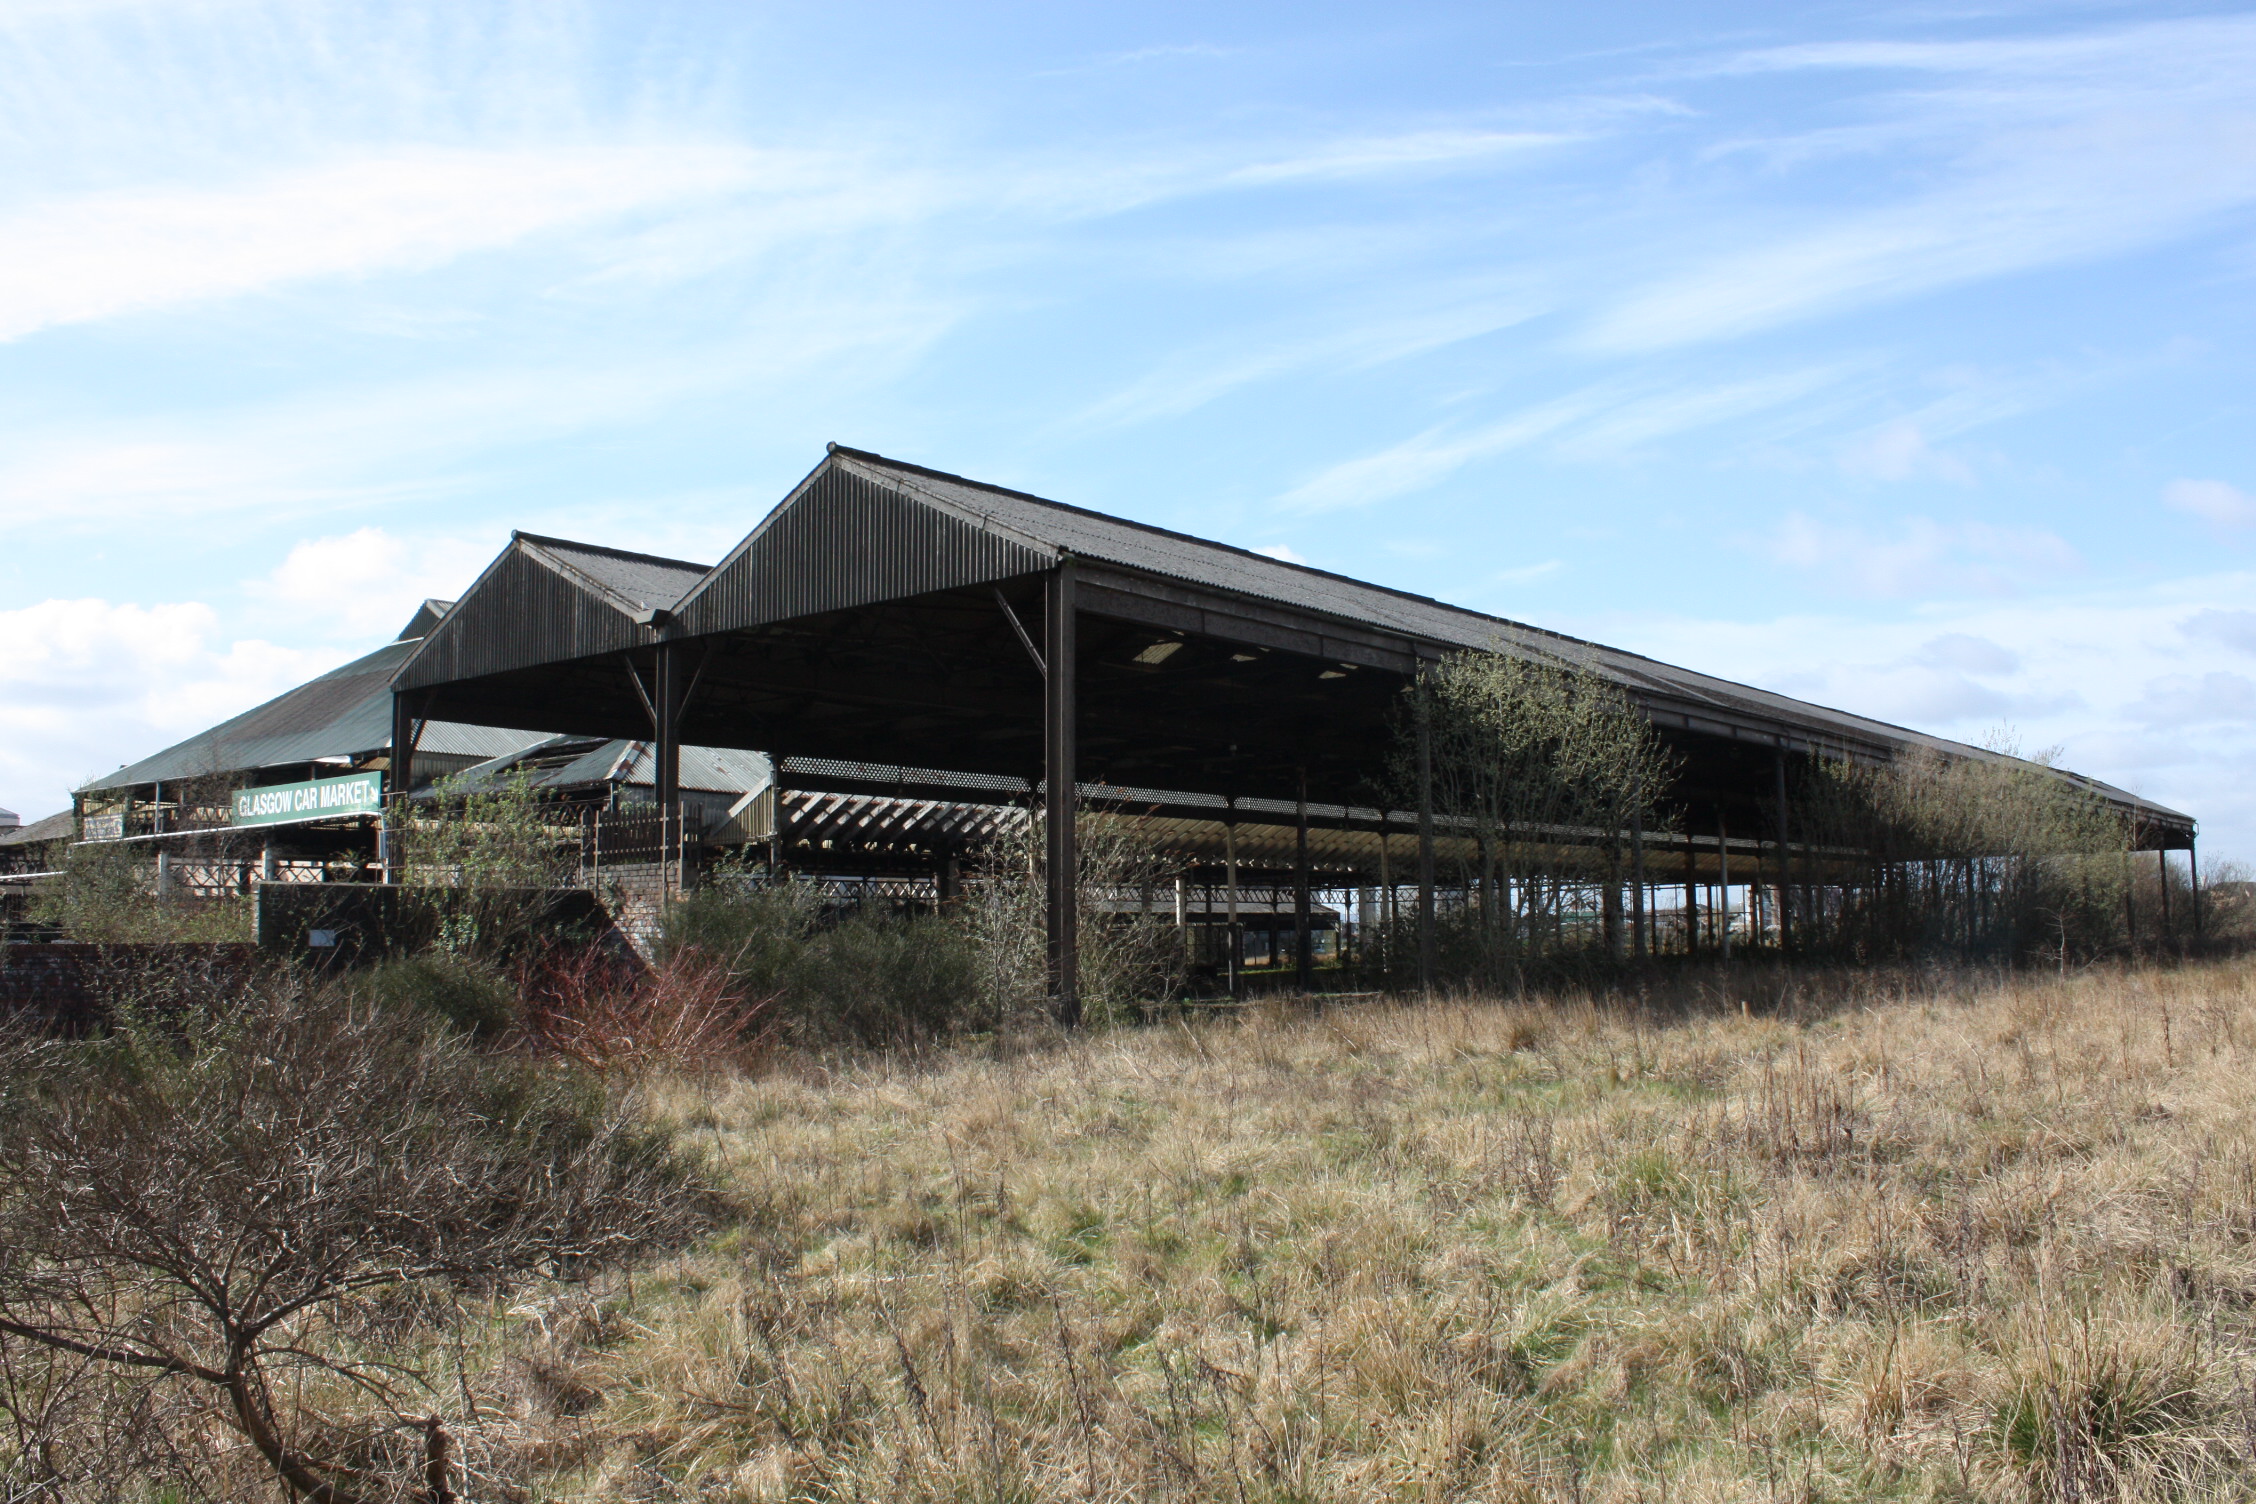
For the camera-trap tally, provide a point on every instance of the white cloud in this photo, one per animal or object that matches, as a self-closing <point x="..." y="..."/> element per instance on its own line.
<point x="2212" y="501"/>
<point x="86" y="683"/>
<point x="1281" y="551"/>
<point x="417" y="440"/>
<point x="2123" y="680"/>
<point x="1528" y="574"/>
<point x="368" y="581"/>
<point x="2177" y="700"/>
<point x="2234" y="629"/>
<point x="97" y="256"/>
<point x="2051" y="151"/>
<point x="1192" y="379"/>
<point x="1900" y="451"/>
<point x="1923" y="557"/>
<point x="1392" y="154"/>
<point x="1602" y="421"/>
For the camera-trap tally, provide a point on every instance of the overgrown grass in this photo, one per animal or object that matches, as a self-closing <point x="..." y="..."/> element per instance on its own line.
<point x="1963" y="1239"/>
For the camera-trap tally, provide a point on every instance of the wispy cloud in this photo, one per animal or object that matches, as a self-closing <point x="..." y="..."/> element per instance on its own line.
<point x="1191" y="379"/>
<point x="2213" y="501"/>
<point x="1528" y="574"/>
<point x="1602" y="421"/>
<point x="2049" y="151"/>
<point x="1429" y="458"/>
<point x="1900" y="451"/>
<point x="1409" y="151"/>
<point x="1922" y="557"/>
<point x="101" y="255"/>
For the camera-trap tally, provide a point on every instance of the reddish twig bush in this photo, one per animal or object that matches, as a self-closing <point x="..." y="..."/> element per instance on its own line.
<point x="613" y="1013"/>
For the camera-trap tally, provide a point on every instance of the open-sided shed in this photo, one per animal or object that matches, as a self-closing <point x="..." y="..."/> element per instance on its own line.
<point x="886" y="613"/>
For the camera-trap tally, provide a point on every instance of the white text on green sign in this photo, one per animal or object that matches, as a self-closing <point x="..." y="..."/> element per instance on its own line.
<point x="322" y="799"/>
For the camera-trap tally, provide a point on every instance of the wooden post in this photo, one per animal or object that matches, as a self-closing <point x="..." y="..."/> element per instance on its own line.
<point x="1691" y="893"/>
<point x="1059" y="744"/>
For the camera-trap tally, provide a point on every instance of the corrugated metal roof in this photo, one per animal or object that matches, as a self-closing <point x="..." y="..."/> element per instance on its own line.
<point x="561" y="762"/>
<point x="347" y="712"/>
<point x="546" y="600"/>
<point x="58" y="827"/>
<point x="610" y="593"/>
<point x="637" y="581"/>
<point x="1063" y="529"/>
<point x="427" y="616"/>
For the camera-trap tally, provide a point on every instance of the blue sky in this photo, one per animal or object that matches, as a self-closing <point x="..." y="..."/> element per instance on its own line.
<point x="1893" y="356"/>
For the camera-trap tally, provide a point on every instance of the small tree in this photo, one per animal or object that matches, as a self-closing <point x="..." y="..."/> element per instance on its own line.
<point x="480" y="859"/>
<point x="2002" y="857"/>
<point x="1545" y="768"/>
<point x="241" y="1225"/>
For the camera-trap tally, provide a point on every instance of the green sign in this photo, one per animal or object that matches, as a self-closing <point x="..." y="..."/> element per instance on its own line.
<point x="322" y="799"/>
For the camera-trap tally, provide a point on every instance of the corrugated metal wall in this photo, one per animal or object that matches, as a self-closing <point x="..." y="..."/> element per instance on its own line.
<point x="522" y="614"/>
<point x="847" y="541"/>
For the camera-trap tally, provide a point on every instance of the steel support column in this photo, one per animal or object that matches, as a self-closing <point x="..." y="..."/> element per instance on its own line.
<point x="1425" y="844"/>
<point x="1236" y="941"/>
<point x="1691" y="894"/>
<point x="1058" y="748"/>
<point x="2162" y="873"/>
<point x="2193" y="885"/>
<point x="1637" y="910"/>
<point x="1723" y="881"/>
<point x="1785" y="859"/>
<point x="1304" y="934"/>
<point x="399" y="779"/>
<point x="666" y="701"/>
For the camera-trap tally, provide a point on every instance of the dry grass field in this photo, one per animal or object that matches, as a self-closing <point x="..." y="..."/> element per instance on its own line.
<point x="1953" y="1238"/>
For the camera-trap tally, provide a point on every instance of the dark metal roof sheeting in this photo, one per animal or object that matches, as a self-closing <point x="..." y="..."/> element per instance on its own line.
<point x="844" y="538"/>
<point x="564" y="762"/>
<point x="546" y="600"/>
<point x="862" y="528"/>
<point x="1063" y="529"/>
<point x="56" y="827"/>
<point x="344" y="713"/>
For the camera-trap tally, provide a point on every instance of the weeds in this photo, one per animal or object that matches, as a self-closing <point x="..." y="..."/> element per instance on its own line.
<point x="1977" y="1239"/>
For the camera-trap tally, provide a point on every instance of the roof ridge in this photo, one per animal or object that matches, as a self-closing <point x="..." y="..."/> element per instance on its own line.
<point x="1168" y="532"/>
<point x="520" y="535"/>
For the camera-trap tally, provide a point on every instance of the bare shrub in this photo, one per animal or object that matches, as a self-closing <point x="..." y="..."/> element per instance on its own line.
<point x="610" y="1013"/>
<point x="233" y="1247"/>
<point x="1129" y="956"/>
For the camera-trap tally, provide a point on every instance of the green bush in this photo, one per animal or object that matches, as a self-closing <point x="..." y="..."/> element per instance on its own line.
<point x="455" y="988"/>
<point x="865" y="978"/>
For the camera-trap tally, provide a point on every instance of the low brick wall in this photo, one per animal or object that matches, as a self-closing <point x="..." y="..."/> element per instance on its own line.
<point x="347" y="924"/>
<point x="70" y="986"/>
